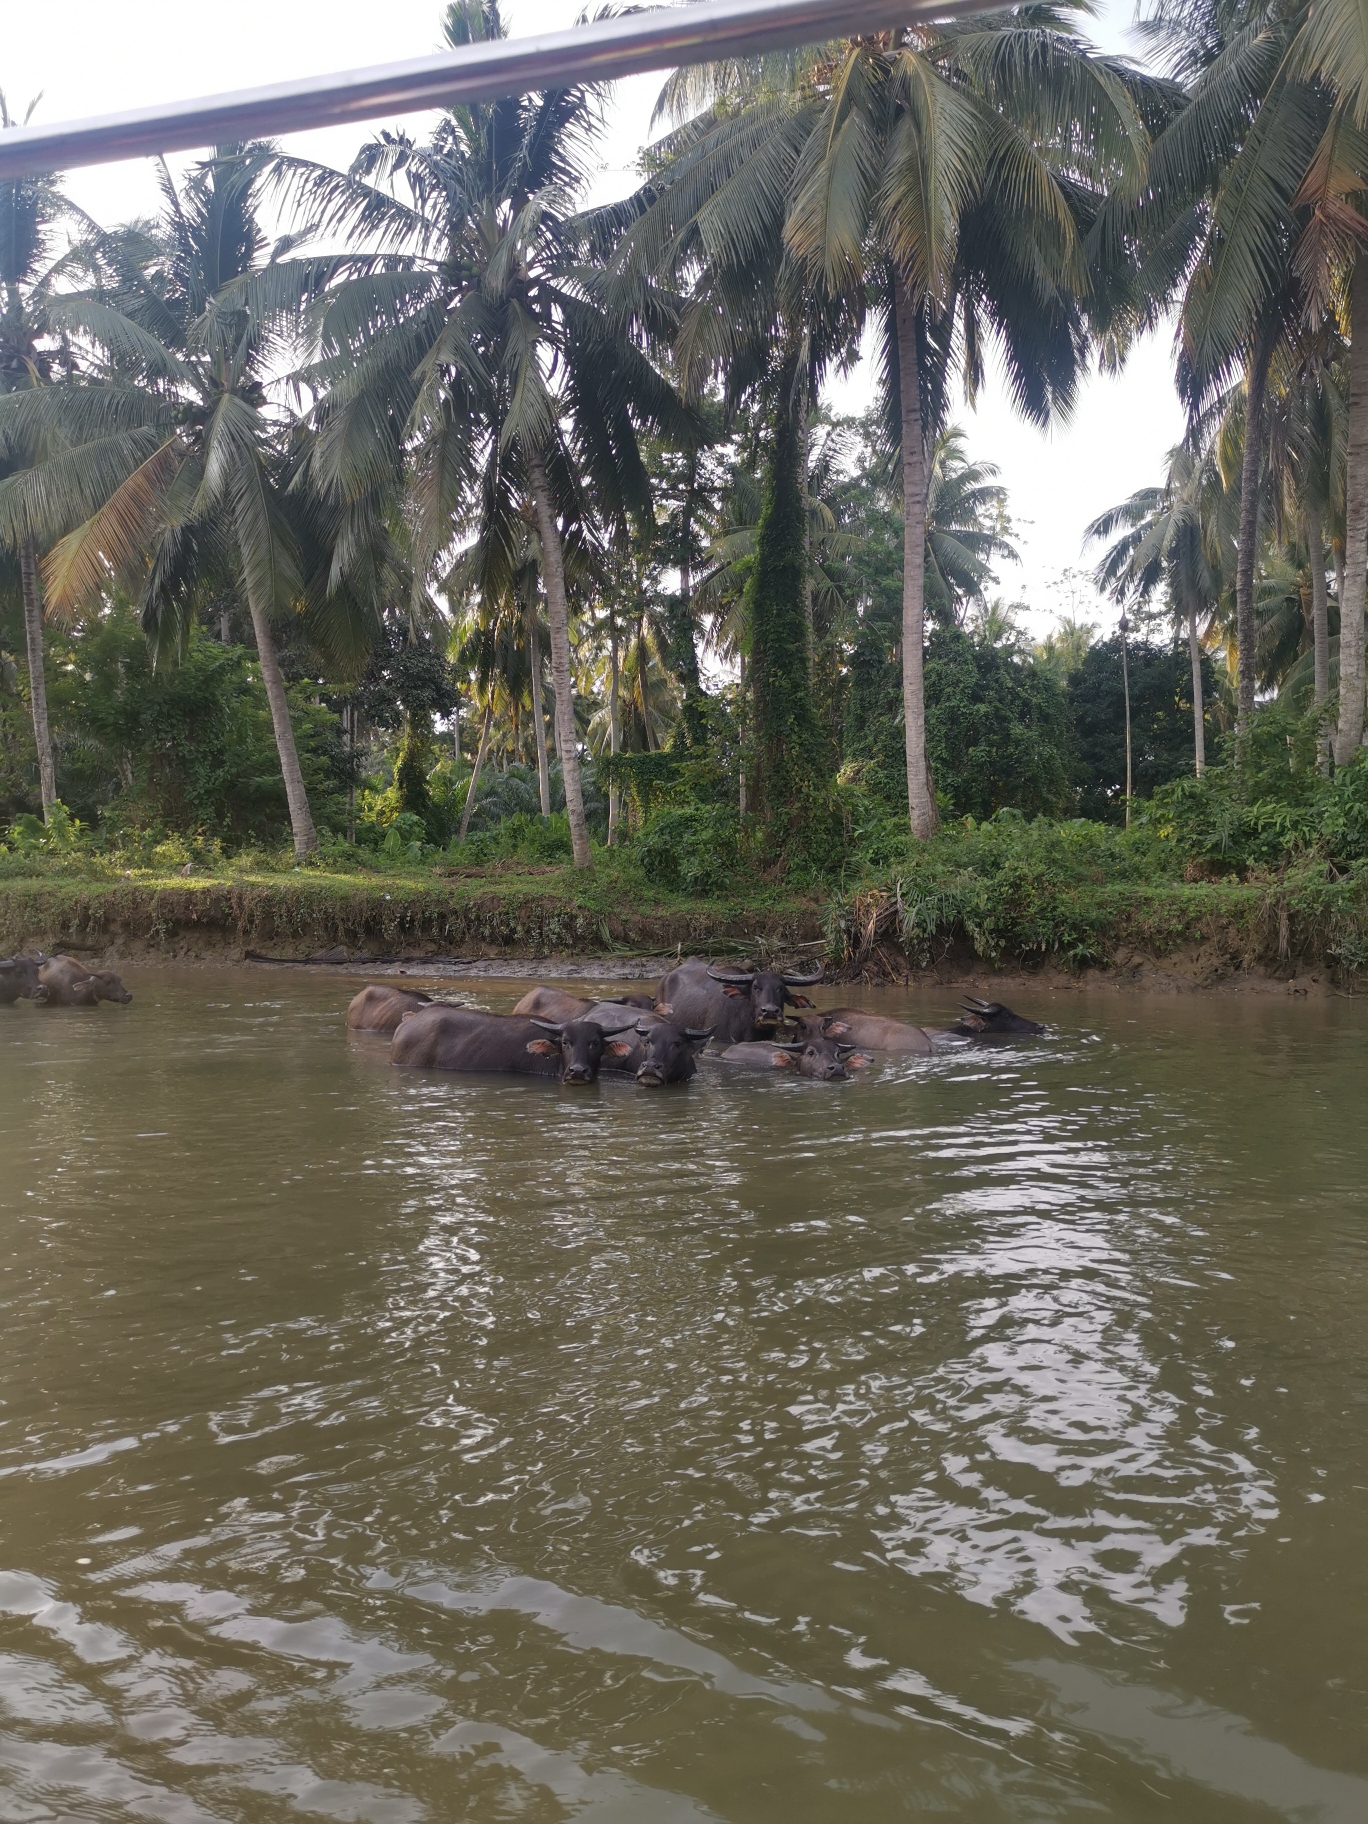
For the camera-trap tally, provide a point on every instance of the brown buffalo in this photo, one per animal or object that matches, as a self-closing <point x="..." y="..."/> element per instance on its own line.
<point x="979" y="1020"/>
<point x="541" y="1003"/>
<point x="379" y="1008"/>
<point x="63" y="982"/>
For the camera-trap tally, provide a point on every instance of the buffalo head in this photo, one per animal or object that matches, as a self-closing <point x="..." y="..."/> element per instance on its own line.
<point x="822" y="1059"/>
<point x="580" y="1046"/>
<point x="980" y="1017"/>
<point x="768" y="990"/>
<point x="668" y="1052"/>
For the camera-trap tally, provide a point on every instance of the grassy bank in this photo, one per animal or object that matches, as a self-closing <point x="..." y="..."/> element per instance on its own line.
<point x="1013" y="898"/>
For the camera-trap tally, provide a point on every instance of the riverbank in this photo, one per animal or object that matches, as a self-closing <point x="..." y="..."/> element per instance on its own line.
<point x="1295" y="935"/>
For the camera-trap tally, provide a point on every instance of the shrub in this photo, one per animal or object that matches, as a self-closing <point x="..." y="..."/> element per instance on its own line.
<point x="690" y="848"/>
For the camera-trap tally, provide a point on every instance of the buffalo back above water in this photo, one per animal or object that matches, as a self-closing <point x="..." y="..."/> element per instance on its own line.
<point x="742" y="1007"/>
<point x="543" y="1003"/>
<point x="814" y="1056"/>
<point x="380" y="1008"/>
<point x="67" y="983"/>
<point x="848" y="1025"/>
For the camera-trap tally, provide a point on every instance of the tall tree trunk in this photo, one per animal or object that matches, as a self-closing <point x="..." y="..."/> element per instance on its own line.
<point x="1320" y="626"/>
<point x="558" y="614"/>
<point x="1349" y="736"/>
<point x="1198" y="706"/>
<point x="1320" y="603"/>
<point x="1125" y="688"/>
<point x="482" y="750"/>
<point x="741" y="805"/>
<point x="301" y="818"/>
<point x="1256" y="375"/>
<point x="349" y="724"/>
<point x="538" y="718"/>
<point x="921" y="804"/>
<point x="643" y="694"/>
<point x="809" y="629"/>
<point x="614" y="725"/>
<point x="32" y="587"/>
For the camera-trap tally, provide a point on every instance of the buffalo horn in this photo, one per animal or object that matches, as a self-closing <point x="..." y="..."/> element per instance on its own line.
<point x="554" y="1027"/>
<point x="805" y="981"/>
<point x="695" y="1033"/>
<point x="786" y="1044"/>
<point x="740" y="978"/>
<point x="972" y="1005"/>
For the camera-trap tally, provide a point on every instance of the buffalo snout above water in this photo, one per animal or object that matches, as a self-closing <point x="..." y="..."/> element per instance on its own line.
<point x="63" y="982"/>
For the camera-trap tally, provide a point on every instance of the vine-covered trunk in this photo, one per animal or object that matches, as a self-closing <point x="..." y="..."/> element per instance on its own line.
<point x="788" y="740"/>
<point x="1256" y="375"/>
<point x="1198" y="706"/>
<point x="921" y="804"/>
<point x="614" y="727"/>
<point x="683" y="652"/>
<point x="1349" y="736"/>
<point x="742" y="802"/>
<point x="301" y="817"/>
<point x="480" y="753"/>
<point x="538" y="718"/>
<point x="558" y="614"/>
<point x="31" y="585"/>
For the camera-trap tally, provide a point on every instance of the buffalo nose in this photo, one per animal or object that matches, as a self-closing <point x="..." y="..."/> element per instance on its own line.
<point x="576" y="1075"/>
<point x="651" y="1078"/>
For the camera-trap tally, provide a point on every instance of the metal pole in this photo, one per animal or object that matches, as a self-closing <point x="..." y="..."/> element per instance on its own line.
<point x="596" y="52"/>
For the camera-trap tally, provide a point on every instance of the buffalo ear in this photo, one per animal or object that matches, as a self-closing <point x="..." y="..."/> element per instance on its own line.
<point x="783" y="1059"/>
<point x="799" y="1000"/>
<point x="732" y="989"/>
<point x="619" y="1048"/>
<point x="544" y="1048"/>
<point x="664" y="1009"/>
<point x="858" y="1059"/>
<point x="832" y="1027"/>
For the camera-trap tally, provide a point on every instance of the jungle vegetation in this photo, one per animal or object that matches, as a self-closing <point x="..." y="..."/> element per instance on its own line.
<point x="421" y="513"/>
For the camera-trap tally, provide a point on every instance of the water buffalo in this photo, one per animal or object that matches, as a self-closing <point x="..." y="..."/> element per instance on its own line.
<point x="739" y="1004"/>
<point x="70" y="984"/>
<point x="456" y="1038"/>
<point x="666" y="1052"/>
<point x="984" y="1019"/>
<point x="813" y="1056"/>
<point x="849" y="1025"/>
<point x="19" y="980"/>
<point x="379" y="1008"/>
<point x="542" y="1003"/>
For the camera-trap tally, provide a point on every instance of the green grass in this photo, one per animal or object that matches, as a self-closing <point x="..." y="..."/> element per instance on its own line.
<point x="1013" y="896"/>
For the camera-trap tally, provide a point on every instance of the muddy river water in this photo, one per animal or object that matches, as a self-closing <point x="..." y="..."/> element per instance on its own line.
<point x="986" y="1438"/>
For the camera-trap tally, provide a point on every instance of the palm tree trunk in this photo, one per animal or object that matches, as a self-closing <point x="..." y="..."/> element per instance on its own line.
<point x="1349" y="736"/>
<point x="558" y="614"/>
<point x="741" y="804"/>
<point x="475" y="775"/>
<point x="1125" y="687"/>
<point x="614" y="737"/>
<point x="32" y="588"/>
<point x="538" y="718"/>
<point x="301" y="817"/>
<point x="1198" y="706"/>
<point x="806" y="458"/>
<point x="1320" y="603"/>
<point x="1247" y="549"/>
<point x="921" y="805"/>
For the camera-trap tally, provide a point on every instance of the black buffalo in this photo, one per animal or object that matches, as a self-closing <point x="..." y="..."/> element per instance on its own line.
<point x="667" y="1052"/>
<point x="19" y="980"/>
<point x="456" y="1038"/>
<point x="739" y="1004"/>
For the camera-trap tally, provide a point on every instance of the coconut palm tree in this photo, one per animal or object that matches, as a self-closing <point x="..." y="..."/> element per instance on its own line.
<point x="167" y="459"/>
<point x="1169" y="538"/>
<point x="476" y="348"/>
<point x="31" y="211"/>
<point x="951" y="174"/>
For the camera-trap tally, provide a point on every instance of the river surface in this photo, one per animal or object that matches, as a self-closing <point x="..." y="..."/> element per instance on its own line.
<point x="985" y="1438"/>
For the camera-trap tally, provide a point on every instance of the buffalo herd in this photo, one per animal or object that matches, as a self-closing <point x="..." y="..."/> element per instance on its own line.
<point x="743" y="1014"/>
<point x="58" y="981"/>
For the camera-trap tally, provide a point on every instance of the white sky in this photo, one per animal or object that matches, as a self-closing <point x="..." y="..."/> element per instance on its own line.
<point x="93" y="57"/>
